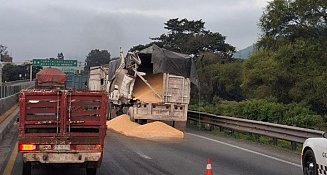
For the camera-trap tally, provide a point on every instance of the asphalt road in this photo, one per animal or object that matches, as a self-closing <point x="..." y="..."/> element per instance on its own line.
<point x="124" y="155"/>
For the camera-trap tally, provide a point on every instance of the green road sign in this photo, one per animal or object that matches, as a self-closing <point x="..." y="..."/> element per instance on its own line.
<point x="67" y="69"/>
<point x="54" y="62"/>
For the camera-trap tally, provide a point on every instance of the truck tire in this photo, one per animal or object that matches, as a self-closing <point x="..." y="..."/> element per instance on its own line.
<point x="91" y="171"/>
<point x="309" y="163"/>
<point x="180" y="125"/>
<point x="27" y="168"/>
<point x="131" y="113"/>
<point x="112" y="111"/>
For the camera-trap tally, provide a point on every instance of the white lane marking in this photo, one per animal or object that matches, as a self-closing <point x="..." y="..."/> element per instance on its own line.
<point x="143" y="155"/>
<point x="247" y="150"/>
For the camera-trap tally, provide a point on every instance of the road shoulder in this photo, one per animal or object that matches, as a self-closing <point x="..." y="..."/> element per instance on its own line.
<point x="270" y="150"/>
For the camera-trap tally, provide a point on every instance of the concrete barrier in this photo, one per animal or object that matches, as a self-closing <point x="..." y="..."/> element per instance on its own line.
<point x="5" y="105"/>
<point x="8" y="102"/>
<point x="7" y="124"/>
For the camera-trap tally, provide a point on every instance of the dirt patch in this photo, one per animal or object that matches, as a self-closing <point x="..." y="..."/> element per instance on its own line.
<point x="154" y="131"/>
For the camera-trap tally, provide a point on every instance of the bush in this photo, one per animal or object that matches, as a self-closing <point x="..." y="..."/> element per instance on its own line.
<point x="267" y="110"/>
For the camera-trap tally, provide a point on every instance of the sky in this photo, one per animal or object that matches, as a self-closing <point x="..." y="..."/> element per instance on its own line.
<point x="41" y="29"/>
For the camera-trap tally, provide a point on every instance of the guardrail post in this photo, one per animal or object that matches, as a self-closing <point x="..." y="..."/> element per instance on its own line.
<point x="208" y="126"/>
<point x="195" y="123"/>
<point x="293" y="146"/>
<point x="231" y="132"/>
<point x="212" y="127"/>
<point x="257" y="137"/>
<point x="274" y="141"/>
<point x="221" y="129"/>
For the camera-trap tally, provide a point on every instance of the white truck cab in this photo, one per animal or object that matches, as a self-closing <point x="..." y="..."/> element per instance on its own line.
<point x="314" y="156"/>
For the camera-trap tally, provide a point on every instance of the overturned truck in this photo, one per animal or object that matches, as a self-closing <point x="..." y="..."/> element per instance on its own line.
<point x="152" y="85"/>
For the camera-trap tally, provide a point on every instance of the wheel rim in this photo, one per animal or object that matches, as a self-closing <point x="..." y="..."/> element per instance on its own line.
<point x="309" y="167"/>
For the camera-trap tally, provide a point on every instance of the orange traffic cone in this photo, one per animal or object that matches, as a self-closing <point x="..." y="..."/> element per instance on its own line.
<point x="208" y="169"/>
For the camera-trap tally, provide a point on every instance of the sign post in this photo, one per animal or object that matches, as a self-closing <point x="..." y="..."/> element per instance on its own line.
<point x="31" y="72"/>
<point x="0" y="72"/>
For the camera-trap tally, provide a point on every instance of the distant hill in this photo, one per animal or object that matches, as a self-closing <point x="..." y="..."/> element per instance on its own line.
<point x="244" y="53"/>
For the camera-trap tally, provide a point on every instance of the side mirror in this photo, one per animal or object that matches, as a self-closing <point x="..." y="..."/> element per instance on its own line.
<point x="324" y="135"/>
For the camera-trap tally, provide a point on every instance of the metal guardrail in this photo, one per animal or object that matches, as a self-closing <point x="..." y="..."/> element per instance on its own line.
<point x="14" y="82"/>
<point x="290" y="133"/>
<point x="8" y="90"/>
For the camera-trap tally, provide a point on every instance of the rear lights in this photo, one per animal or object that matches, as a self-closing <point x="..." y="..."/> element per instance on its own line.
<point x="26" y="147"/>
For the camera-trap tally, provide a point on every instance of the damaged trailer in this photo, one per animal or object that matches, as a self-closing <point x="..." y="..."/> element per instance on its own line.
<point x="152" y="85"/>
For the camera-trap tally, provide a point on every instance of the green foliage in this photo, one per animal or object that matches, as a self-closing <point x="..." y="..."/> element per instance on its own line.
<point x="295" y="72"/>
<point x="219" y="76"/>
<point x="267" y="110"/>
<point x="292" y="62"/>
<point x="299" y="114"/>
<point x="260" y="75"/>
<point x="97" y="58"/>
<point x="285" y="21"/>
<point x="143" y="46"/>
<point x="10" y="72"/>
<point x="190" y="37"/>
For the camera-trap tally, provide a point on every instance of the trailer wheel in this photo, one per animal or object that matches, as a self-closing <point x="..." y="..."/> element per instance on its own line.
<point x="180" y="125"/>
<point x="91" y="171"/>
<point x="27" y="168"/>
<point x="131" y="113"/>
<point x="309" y="163"/>
<point x="112" y="111"/>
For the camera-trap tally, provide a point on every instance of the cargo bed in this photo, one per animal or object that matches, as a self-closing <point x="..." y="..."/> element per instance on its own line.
<point x="61" y="126"/>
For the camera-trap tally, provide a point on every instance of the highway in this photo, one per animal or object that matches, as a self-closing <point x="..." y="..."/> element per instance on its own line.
<point x="125" y="155"/>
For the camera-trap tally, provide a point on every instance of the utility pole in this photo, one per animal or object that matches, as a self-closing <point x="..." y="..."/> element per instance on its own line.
<point x="0" y="72"/>
<point x="31" y="71"/>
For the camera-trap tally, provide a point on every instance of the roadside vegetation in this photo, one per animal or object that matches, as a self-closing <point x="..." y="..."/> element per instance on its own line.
<point x="267" y="110"/>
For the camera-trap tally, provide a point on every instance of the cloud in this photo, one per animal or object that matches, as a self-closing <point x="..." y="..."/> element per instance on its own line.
<point x="38" y="28"/>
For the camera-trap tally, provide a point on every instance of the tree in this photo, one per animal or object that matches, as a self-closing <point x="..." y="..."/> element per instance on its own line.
<point x="292" y="59"/>
<point x="97" y="58"/>
<point x="220" y="77"/>
<point x="10" y="72"/>
<point x="35" y="70"/>
<point x="143" y="46"/>
<point x="190" y="37"/>
<point x="287" y="21"/>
